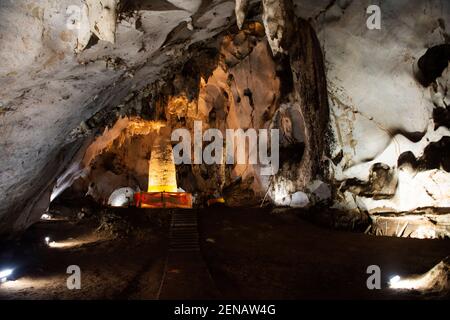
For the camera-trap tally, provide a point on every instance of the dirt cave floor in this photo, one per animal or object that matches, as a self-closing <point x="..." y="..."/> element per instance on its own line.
<point x="250" y="254"/>
<point x="121" y="255"/>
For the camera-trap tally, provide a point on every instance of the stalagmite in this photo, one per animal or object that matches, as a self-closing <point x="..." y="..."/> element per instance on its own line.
<point x="97" y="18"/>
<point x="161" y="173"/>
<point x="274" y="22"/>
<point x="241" y="11"/>
<point x="102" y="18"/>
<point x="276" y="18"/>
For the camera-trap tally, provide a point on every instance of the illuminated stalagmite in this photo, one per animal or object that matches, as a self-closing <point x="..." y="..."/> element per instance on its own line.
<point x="161" y="174"/>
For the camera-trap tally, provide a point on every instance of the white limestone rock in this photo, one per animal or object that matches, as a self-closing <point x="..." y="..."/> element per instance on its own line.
<point x="274" y="23"/>
<point x="241" y="11"/>
<point x="299" y="200"/>
<point x="320" y="191"/>
<point x="375" y="101"/>
<point x="122" y="197"/>
<point x="190" y="6"/>
<point x="48" y="90"/>
<point x="103" y="18"/>
<point x="82" y="27"/>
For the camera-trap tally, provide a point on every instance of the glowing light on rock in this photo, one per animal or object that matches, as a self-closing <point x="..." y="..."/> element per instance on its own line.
<point x="435" y="280"/>
<point x="64" y="244"/>
<point x="122" y="197"/>
<point x="407" y="284"/>
<point x="394" y="280"/>
<point x="4" y="274"/>
<point x="27" y="283"/>
<point x="74" y="172"/>
<point x="425" y="233"/>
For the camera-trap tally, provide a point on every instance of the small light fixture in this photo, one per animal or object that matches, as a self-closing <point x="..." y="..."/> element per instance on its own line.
<point x="46" y="216"/>
<point x="4" y="274"/>
<point x="47" y="240"/>
<point x="394" y="280"/>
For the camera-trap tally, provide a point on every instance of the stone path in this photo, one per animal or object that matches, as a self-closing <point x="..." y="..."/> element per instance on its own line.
<point x="186" y="276"/>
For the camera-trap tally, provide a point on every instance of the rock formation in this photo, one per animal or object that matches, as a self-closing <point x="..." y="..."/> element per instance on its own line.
<point x="362" y="111"/>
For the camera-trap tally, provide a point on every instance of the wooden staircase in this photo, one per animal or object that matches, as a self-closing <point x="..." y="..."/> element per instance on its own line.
<point x="186" y="276"/>
<point x="184" y="231"/>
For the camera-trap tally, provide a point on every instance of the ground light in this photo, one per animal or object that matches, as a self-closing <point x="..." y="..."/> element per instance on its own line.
<point x="435" y="280"/>
<point x="394" y="280"/>
<point x="64" y="244"/>
<point x="408" y="284"/>
<point x="46" y="216"/>
<point x="4" y="274"/>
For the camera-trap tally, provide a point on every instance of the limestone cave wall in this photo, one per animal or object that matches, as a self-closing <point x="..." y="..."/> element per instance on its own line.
<point x="363" y="113"/>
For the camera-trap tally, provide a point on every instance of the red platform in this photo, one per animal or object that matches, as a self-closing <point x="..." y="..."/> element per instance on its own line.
<point x="163" y="200"/>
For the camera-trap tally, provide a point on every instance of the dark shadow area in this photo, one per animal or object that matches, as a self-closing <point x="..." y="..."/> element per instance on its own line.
<point x="264" y="254"/>
<point x="120" y="253"/>
<point x="433" y="63"/>
<point x="435" y="156"/>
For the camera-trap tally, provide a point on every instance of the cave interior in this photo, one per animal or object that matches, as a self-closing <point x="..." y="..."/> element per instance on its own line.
<point x="273" y="149"/>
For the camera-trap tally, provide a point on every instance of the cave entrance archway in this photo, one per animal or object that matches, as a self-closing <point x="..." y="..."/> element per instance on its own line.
<point x="233" y="83"/>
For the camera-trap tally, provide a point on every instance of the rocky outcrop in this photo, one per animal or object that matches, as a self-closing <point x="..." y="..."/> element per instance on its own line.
<point x="54" y="101"/>
<point x="378" y="108"/>
<point x="436" y="280"/>
<point x="223" y="88"/>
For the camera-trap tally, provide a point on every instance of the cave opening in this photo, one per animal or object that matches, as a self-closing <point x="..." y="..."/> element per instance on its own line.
<point x="233" y="83"/>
